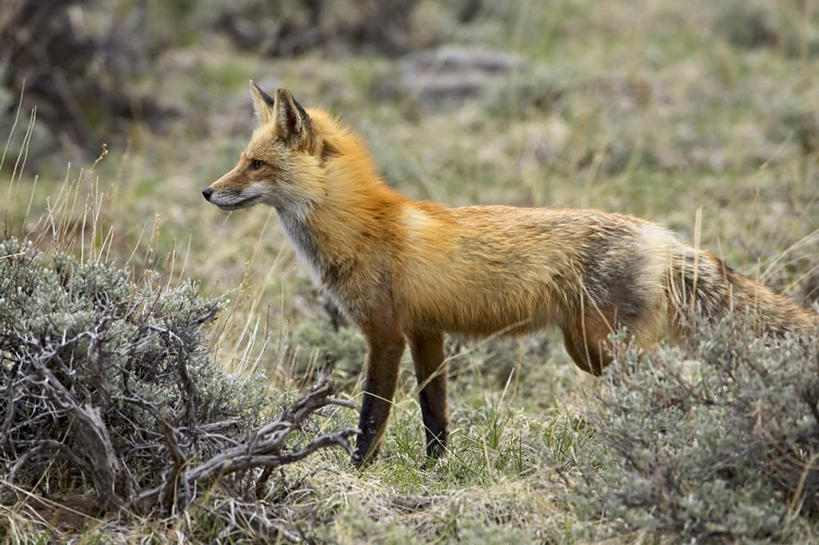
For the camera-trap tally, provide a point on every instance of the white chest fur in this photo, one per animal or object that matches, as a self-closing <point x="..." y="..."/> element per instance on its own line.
<point x="303" y="240"/>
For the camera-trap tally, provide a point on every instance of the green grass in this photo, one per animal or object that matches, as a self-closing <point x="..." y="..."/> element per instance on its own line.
<point x="650" y="109"/>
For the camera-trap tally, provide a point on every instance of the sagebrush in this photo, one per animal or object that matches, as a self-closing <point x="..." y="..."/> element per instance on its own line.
<point x="110" y="390"/>
<point x="714" y="442"/>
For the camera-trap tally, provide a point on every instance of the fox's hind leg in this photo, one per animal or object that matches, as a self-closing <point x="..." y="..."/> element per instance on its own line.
<point x="428" y="354"/>
<point x="585" y="340"/>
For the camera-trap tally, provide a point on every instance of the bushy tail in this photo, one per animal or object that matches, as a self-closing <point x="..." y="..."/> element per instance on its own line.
<point x="702" y="286"/>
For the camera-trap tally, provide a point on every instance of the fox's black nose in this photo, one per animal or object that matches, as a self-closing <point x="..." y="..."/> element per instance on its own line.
<point x="207" y="192"/>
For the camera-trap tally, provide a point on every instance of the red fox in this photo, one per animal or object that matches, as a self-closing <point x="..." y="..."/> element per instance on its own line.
<point x="406" y="272"/>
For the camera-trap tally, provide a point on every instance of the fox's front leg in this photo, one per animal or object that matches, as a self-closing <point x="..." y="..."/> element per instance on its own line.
<point x="385" y="346"/>
<point x="430" y="370"/>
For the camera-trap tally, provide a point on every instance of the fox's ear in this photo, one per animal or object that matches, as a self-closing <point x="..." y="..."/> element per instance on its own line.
<point x="263" y="103"/>
<point x="292" y="121"/>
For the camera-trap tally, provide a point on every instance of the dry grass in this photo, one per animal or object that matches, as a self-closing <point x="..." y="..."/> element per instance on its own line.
<point x="656" y="113"/>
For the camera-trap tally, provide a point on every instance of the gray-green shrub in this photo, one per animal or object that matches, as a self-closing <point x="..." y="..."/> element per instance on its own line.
<point x="106" y="381"/>
<point x="717" y="441"/>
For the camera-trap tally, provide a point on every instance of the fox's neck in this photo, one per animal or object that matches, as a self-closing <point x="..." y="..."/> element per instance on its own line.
<point x="303" y="238"/>
<point x="355" y="218"/>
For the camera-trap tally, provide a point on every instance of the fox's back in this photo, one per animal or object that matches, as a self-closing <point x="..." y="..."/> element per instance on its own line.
<point x="482" y="269"/>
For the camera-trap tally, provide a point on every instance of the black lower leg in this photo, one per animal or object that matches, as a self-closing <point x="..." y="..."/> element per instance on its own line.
<point x="435" y="429"/>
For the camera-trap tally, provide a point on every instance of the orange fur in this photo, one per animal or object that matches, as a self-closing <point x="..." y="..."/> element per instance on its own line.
<point x="403" y="269"/>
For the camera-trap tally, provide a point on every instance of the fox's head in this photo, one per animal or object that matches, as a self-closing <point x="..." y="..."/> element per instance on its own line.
<point x="282" y="166"/>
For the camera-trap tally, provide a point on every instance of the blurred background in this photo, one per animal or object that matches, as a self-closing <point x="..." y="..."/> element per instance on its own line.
<point x="649" y="107"/>
<point x="700" y="115"/>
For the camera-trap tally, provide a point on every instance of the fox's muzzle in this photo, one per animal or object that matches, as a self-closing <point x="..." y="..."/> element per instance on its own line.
<point x="233" y="199"/>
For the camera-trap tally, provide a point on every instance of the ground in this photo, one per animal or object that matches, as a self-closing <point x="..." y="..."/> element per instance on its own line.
<point x="676" y="113"/>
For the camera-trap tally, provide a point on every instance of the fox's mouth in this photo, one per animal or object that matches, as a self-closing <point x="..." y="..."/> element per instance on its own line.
<point x="236" y="205"/>
<point x="230" y="201"/>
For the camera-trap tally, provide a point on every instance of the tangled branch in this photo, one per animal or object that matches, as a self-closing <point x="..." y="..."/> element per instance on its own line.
<point x="108" y="386"/>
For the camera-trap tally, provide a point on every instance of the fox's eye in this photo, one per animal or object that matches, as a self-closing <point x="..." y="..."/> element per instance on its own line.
<point x="255" y="164"/>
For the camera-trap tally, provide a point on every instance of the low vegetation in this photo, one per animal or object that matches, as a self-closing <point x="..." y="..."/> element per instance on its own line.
<point x="117" y="279"/>
<point x="110" y="396"/>
<point x="716" y="441"/>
